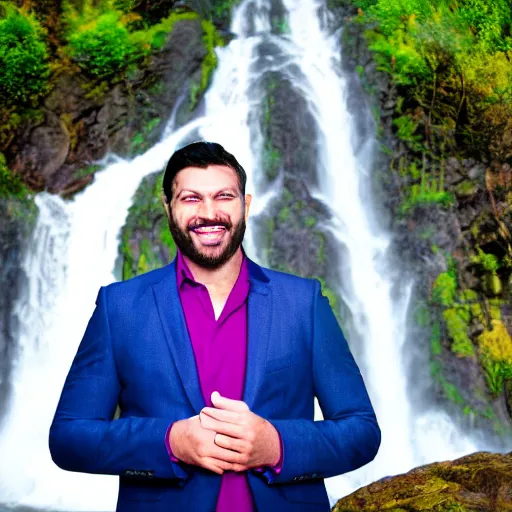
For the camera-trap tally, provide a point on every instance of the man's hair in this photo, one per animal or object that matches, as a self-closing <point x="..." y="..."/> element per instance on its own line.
<point x="202" y="155"/>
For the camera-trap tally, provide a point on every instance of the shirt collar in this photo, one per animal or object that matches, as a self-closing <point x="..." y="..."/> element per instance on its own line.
<point x="183" y="272"/>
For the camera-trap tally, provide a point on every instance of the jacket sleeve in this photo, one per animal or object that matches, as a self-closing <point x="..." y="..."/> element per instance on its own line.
<point x="84" y="436"/>
<point x="349" y="436"/>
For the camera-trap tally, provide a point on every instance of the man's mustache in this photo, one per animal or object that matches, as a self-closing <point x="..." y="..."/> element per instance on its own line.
<point x="208" y="223"/>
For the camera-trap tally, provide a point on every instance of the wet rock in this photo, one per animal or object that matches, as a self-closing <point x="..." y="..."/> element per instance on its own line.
<point x="477" y="482"/>
<point x="46" y="149"/>
<point x="476" y="172"/>
<point x="84" y="121"/>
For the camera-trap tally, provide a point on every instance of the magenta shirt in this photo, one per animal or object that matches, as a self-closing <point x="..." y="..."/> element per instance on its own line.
<point x="220" y="350"/>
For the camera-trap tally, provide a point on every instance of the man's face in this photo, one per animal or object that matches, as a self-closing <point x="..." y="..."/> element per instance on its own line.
<point x="207" y="215"/>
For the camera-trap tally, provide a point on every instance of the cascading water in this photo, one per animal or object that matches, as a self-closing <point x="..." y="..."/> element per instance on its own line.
<point x="75" y="245"/>
<point x="378" y="321"/>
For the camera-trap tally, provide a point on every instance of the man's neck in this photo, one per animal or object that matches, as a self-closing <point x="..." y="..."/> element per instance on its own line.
<point x="221" y="278"/>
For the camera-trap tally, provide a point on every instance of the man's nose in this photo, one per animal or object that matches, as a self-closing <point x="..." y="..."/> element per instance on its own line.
<point x="207" y="208"/>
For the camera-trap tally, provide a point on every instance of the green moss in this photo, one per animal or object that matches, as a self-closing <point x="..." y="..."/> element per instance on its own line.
<point x="142" y="140"/>
<point x="428" y="232"/>
<point x="449" y="390"/>
<point x="331" y="295"/>
<point x="488" y="262"/>
<point x="457" y="323"/>
<point x="211" y="39"/>
<point x="284" y="214"/>
<point x="146" y="242"/>
<point x="310" y="221"/>
<point x="406" y="128"/>
<point x="11" y="185"/>
<point x="445" y="288"/>
<point x="466" y="188"/>
<point x="422" y="315"/>
<point x="435" y="340"/>
<point x="86" y="171"/>
<point x="271" y="161"/>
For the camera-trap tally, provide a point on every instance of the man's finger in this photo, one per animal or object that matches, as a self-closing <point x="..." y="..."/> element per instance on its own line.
<point x="225" y="455"/>
<point x="230" y="443"/>
<point x="222" y="415"/>
<point x="216" y="465"/>
<point x="221" y="427"/>
<point x="221" y="402"/>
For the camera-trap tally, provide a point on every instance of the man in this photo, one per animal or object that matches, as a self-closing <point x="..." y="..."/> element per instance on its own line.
<point x="215" y="362"/>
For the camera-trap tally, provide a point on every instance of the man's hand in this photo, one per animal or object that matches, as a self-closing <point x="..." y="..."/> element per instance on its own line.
<point x="237" y="429"/>
<point x="194" y="444"/>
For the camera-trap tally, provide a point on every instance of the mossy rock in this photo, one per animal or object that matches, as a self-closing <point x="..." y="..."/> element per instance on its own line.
<point x="480" y="482"/>
<point x="492" y="284"/>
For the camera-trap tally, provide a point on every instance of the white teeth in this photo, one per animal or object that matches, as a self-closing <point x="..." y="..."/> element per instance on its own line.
<point x="210" y="229"/>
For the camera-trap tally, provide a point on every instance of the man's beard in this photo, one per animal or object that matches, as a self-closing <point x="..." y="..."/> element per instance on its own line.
<point x="185" y="244"/>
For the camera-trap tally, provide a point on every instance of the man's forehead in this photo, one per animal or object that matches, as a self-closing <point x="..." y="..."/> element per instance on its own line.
<point x="214" y="176"/>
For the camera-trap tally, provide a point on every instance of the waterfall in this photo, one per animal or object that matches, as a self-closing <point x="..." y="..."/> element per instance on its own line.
<point x="371" y="287"/>
<point x="74" y="248"/>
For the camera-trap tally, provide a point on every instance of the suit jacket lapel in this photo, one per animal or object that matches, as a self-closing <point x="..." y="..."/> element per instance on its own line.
<point x="174" y="325"/>
<point x="176" y="332"/>
<point x="259" y="310"/>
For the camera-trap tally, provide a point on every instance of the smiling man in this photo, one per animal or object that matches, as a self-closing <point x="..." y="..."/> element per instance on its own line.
<point x="215" y="362"/>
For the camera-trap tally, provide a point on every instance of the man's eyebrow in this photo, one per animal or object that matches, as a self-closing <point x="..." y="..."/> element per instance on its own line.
<point x="187" y="190"/>
<point x="225" y="189"/>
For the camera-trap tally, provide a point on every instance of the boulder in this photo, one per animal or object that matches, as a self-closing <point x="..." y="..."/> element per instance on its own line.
<point x="480" y="482"/>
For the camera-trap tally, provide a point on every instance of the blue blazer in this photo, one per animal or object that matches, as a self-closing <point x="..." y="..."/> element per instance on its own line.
<point x="136" y="352"/>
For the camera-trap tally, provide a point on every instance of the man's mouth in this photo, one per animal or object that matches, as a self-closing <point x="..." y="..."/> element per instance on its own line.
<point x="210" y="235"/>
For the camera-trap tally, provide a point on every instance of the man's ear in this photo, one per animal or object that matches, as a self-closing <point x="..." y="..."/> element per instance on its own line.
<point x="248" y="199"/>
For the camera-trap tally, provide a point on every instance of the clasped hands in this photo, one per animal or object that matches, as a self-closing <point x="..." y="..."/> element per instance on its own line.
<point x="226" y="437"/>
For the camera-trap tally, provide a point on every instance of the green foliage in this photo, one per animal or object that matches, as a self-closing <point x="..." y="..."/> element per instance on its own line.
<point x="91" y="169"/>
<point x="496" y="354"/>
<point x="271" y="161"/>
<point x="143" y="139"/>
<point x="435" y="340"/>
<point x="211" y="39"/>
<point x="445" y="288"/>
<point x="422" y="315"/>
<point x="455" y="59"/>
<point x="331" y="296"/>
<point x="310" y="221"/>
<point x="457" y="323"/>
<point x="10" y="184"/>
<point x="103" y="47"/>
<point x="221" y="9"/>
<point x="489" y="262"/>
<point x="489" y="21"/>
<point x="406" y="127"/>
<point x="154" y="37"/>
<point x="284" y="214"/>
<point x="24" y="68"/>
<point x="450" y="391"/>
<point x="104" y="42"/>
<point x="429" y="191"/>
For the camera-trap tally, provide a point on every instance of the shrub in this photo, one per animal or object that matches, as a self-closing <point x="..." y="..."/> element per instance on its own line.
<point x="496" y="354"/>
<point x="103" y="47"/>
<point x="445" y="287"/>
<point x="10" y="184"/>
<point x="24" y="67"/>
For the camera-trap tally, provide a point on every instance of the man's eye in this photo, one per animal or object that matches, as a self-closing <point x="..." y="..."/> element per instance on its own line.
<point x="190" y="198"/>
<point x="226" y="195"/>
